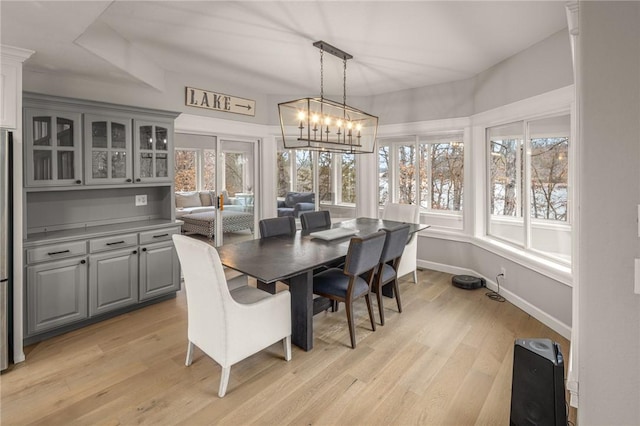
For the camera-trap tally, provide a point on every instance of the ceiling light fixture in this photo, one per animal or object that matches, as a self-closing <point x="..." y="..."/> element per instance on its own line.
<point x="320" y="124"/>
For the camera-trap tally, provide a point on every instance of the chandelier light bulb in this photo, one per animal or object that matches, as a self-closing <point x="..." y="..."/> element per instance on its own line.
<point x="301" y="115"/>
<point x="349" y="125"/>
<point x="339" y="123"/>
<point x="315" y="118"/>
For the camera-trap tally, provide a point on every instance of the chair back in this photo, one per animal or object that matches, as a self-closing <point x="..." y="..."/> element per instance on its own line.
<point x="394" y="243"/>
<point x="275" y="226"/>
<point x="402" y="212"/>
<point x="313" y="220"/>
<point x="208" y="296"/>
<point x="364" y="253"/>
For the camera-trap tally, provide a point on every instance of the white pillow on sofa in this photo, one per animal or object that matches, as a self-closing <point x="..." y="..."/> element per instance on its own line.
<point x="187" y="199"/>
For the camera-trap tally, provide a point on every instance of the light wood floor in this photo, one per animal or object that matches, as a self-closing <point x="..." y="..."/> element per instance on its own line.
<point x="447" y="359"/>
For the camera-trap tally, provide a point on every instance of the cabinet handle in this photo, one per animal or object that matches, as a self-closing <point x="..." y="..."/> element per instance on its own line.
<point x="116" y="242"/>
<point x="161" y="235"/>
<point x="138" y="180"/>
<point x="144" y="249"/>
<point x="78" y="181"/>
<point x="135" y="252"/>
<point x="58" y="252"/>
<point x="83" y="261"/>
<point x="129" y="180"/>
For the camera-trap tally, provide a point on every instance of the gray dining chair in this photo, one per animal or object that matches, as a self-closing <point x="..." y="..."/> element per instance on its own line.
<point x="275" y="226"/>
<point x="354" y="281"/>
<point x="390" y="257"/>
<point x="315" y="220"/>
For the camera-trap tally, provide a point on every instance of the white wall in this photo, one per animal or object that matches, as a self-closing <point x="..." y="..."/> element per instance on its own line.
<point x="609" y="311"/>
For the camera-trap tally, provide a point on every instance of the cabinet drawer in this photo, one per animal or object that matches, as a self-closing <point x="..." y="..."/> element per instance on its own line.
<point x="157" y="235"/>
<point x="56" y="251"/>
<point x="113" y="242"/>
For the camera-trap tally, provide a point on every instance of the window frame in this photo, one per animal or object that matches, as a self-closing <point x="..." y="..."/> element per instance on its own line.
<point x="523" y="178"/>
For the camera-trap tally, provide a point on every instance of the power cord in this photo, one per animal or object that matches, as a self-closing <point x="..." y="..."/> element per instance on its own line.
<point x="495" y="296"/>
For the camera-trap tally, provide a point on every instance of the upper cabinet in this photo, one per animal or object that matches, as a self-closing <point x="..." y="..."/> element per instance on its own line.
<point x="152" y="150"/>
<point x="117" y="145"/>
<point x="108" y="144"/>
<point x="53" y="148"/>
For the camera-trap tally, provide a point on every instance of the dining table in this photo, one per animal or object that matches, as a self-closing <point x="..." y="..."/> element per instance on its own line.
<point x="293" y="259"/>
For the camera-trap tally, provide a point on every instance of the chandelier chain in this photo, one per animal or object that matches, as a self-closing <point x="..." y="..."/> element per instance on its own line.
<point x="321" y="74"/>
<point x="344" y="82"/>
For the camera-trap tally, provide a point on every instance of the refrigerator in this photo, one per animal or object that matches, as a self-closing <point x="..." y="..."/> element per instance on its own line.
<point x="6" y="243"/>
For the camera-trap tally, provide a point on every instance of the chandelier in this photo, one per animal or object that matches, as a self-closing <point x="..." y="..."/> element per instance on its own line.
<point x="320" y="124"/>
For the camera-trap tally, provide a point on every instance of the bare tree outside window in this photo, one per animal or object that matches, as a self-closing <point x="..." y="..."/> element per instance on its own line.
<point x="447" y="175"/>
<point x="549" y="178"/>
<point x="234" y="172"/>
<point x="384" y="165"/>
<point x="304" y="171"/>
<point x="407" y="174"/>
<point x="208" y="170"/>
<point x="283" y="178"/>
<point x="185" y="178"/>
<point x="349" y="178"/>
<point x="324" y="177"/>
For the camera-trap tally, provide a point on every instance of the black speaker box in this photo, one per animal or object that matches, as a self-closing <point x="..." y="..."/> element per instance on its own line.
<point x="537" y="391"/>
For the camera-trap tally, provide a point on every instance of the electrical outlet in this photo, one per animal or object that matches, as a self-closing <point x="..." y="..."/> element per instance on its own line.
<point x="141" y="200"/>
<point x="503" y="271"/>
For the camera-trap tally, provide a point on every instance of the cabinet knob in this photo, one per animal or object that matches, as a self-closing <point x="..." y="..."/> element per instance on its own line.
<point x="135" y="252"/>
<point x="129" y="180"/>
<point x="78" y="181"/>
<point x="83" y="261"/>
<point x="144" y="249"/>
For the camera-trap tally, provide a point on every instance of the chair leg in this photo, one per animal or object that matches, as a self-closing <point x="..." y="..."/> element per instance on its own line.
<point x="224" y="381"/>
<point x="286" y="342"/>
<point x="415" y="276"/>
<point x="189" y="359"/>
<point x="373" y="323"/>
<point x="397" y="291"/>
<point x="352" y="332"/>
<point x="380" y="306"/>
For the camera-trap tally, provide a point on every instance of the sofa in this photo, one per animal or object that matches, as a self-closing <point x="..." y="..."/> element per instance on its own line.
<point x="295" y="203"/>
<point x="204" y="201"/>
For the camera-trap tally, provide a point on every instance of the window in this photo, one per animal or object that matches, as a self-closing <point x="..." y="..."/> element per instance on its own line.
<point x="424" y="170"/>
<point x="336" y="178"/>
<point x="528" y="172"/>
<point x="195" y="169"/>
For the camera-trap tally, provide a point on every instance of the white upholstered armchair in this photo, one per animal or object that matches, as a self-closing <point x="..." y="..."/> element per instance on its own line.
<point x="409" y="213"/>
<point x="228" y="325"/>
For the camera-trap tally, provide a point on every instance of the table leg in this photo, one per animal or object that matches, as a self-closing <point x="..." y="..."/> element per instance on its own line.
<point x="301" y="288"/>
<point x="268" y="287"/>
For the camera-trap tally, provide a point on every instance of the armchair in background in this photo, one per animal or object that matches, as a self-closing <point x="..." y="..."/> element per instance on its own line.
<point x="295" y="203"/>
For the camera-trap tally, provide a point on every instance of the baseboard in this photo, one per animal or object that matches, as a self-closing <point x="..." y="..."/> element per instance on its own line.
<point x="558" y="326"/>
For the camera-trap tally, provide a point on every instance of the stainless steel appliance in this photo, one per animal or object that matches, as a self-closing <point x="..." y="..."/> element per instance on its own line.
<point x="5" y="245"/>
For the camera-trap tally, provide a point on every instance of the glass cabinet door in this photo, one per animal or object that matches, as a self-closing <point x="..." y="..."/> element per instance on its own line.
<point x="108" y="142"/>
<point x="52" y="148"/>
<point x="152" y="149"/>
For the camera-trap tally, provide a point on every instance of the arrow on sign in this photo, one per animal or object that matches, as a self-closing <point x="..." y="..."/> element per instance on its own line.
<point x="248" y="107"/>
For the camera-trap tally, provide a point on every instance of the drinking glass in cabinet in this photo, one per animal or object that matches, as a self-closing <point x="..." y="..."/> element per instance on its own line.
<point x="119" y="164"/>
<point x="161" y="139"/>
<point x="65" y="165"/>
<point x="41" y="165"/>
<point x="146" y="165"/>
<point x="99" y="164"/>
<point x="146" y="137"/>
<point x="162" y="168"/>
<point x="41" y="131"/>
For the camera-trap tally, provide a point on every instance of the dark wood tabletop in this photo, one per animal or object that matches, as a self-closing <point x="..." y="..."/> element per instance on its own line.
<point x="293" y="258"/>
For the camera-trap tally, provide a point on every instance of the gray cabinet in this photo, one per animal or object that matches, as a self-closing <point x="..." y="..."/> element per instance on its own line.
<point x="53" y="148"/>
<point x="113" y="280"/>
<point x="159" y="270"/>
<point x="56" y="294"/>
<point x="108" y="158"/>
<point x="153" y="151"/>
